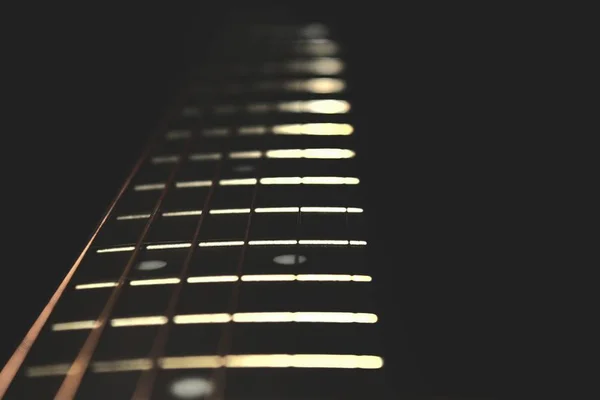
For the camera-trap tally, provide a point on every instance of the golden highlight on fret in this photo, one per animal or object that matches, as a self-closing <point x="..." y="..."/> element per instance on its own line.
<point x="310" y="180"/>
<point x="168" y="246"/>
<point x="244" y="155"/>
<point x="75" y="325"/>
<point x="99" y="285"/>
<point x="235" y="278"/>
<point x="213" y="279"/>
<point x="317" y="153"/>
<point x="230" y="211"/>
<point x="149" y="186"/>
<point x="317" y="85"/>
<point x="137" y="364"/>
<point x="139" y="321"/>
<point x="318" y="66"/>
<point x="317" y="47"/>
<point x="321" y="129"/>
<point x="152" y="282"/>
<point x="116" y="249"/>
<point x="182" y="213"/>
<point x="314" y="85"/>
<point x="328" y="106"/>
<point x="248" y="317"/>
<point x="306" y="277"/>
<point x="333" y="361"/>
<point x="313" y="129"/>
<point x="205" y="157"/>
<point x="260" y="210"/>
<point x="324" y="106"/>
<point x="227" y="243"/>
<point x="238" y="182"/>
<point x="132" y="216"/>
<point x="193" y="184"/>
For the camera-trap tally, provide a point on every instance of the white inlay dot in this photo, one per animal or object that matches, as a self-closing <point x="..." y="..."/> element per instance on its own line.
<point x="151" y="265"/>
<point x="289" y="259"/>
<point x="191" y="388"/>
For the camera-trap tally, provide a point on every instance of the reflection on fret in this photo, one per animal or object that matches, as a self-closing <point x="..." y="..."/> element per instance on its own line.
<point x="323" y="106"/>
<point x="286" y="180"/>
<point x="235" y="278"/>
<point x="316" y="153"/>
<point x="272" y="210"/>
<point x="254" y="317"/>
<point x="311" y="242"/>
<point x="311" y="129"/>
<point x="345" y="361"/>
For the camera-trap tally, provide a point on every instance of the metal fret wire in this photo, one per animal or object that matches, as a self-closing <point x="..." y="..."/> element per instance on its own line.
<point x="72" y="381"/>
<point x="15" y="362"/>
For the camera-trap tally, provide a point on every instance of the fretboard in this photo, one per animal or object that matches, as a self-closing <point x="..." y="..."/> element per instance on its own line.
<point x="233" y="263"/>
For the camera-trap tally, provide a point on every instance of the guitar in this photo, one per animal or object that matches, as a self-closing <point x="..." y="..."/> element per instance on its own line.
<point x="232" y="263"/>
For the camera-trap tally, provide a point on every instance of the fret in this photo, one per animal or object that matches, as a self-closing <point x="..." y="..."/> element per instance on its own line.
<point x="274" y="87"/>
<point x="326" y="106"/>
<point x="311" y="66"/>
<point x="275" y="123"/>
<point x="266" y="195"/>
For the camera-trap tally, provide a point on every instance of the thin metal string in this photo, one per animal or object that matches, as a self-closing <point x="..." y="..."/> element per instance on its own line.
<point x="225" y="340"/>
<point x="145" y="385"/>
<point x="74" y="376"/>
<point x="224" y="347"/>
<point x="146" y="381"/>
<point x="15" y="362"/>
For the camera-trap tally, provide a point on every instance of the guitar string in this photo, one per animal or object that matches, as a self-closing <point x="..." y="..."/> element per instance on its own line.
<point x="146" y="382"/>
<point x="14" y="364"/>
<point x="219" y="376"/>
<point x="72" y="381"/>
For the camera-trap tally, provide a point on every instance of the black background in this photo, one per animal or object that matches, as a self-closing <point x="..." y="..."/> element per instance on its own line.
<point x="454" y="170"/>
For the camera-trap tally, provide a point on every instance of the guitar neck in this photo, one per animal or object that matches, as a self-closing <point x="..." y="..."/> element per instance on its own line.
<point x="232" y="264"/>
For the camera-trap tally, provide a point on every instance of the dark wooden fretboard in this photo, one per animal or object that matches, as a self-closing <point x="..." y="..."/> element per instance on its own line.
<point x="233" y="262"/>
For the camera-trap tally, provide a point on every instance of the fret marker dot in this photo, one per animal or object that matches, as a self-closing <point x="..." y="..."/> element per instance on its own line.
<point x="289" y="259"/>
<point x="192" y="388"/>
<point x="151" y="265"/>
